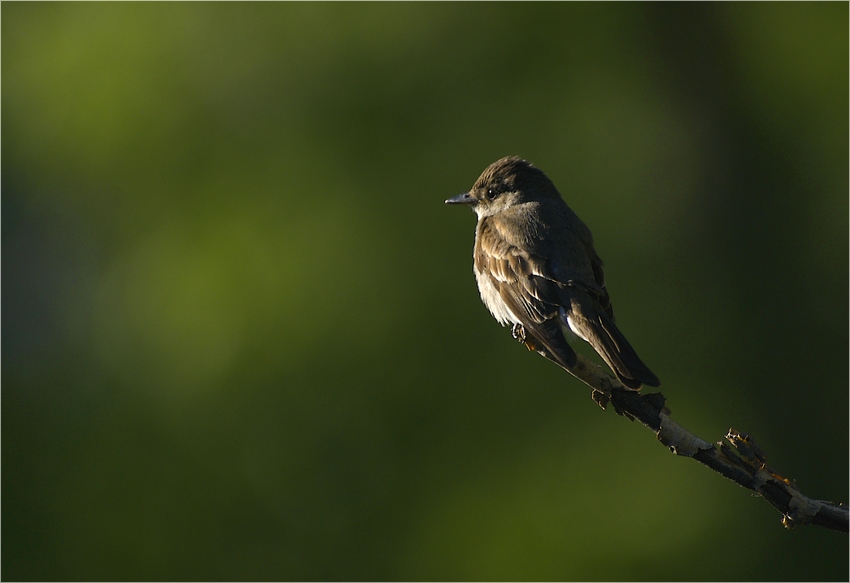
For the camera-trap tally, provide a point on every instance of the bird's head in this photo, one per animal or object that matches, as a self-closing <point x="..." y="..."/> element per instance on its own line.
<point x="505" y="183"/>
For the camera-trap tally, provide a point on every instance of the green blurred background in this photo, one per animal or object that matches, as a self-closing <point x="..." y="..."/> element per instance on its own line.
<point x="241" y="335"/>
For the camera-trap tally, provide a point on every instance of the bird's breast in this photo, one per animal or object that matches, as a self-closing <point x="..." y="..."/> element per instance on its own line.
<point x="493" y="300"/>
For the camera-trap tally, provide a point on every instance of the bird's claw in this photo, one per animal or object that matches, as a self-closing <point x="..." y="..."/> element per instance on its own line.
<point x="518" y="332"/>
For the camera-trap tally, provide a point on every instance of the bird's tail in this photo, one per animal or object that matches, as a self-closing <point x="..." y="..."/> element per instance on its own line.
<point x="618" y="354"/>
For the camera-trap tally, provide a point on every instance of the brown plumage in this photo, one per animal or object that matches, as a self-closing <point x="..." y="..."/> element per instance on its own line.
<point x="536" y="269"/>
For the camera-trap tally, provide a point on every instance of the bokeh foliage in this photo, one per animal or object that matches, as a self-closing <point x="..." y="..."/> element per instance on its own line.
<point x="241" y="337"/>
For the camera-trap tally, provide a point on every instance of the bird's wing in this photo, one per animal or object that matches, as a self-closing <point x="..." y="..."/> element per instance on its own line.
<point x="529" y="294"/>
<point x="601" y="292"/>
<point x="589" y="313"/>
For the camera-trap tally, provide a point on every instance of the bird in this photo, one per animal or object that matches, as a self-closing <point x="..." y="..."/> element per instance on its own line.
<point x="537" y="270"/>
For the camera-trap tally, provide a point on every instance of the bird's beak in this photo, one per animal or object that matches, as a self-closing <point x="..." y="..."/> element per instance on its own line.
<point x="464" y="198"/>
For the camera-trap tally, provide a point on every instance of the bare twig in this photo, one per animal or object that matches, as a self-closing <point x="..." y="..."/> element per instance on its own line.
<point x="737" y="458"/>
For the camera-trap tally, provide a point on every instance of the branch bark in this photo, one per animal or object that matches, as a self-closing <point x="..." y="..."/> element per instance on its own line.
<point x="738" y="458"/>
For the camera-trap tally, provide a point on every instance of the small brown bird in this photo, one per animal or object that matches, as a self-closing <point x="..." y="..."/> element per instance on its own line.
<point x="536" y="269"/>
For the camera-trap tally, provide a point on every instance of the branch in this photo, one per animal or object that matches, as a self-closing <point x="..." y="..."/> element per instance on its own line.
<point x="737" y="458"/>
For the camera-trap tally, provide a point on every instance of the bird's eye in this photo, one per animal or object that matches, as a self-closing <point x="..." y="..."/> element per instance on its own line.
<point x="496" y="190"/>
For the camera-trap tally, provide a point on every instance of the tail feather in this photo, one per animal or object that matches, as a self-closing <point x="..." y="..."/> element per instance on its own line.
<point x="616" y="351"/>
<point x="594" y="325"/>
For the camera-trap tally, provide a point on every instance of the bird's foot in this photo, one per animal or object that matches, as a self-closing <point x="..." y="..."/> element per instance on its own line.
<point x="602" y="398"/>
<point x="518" y="332"/>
